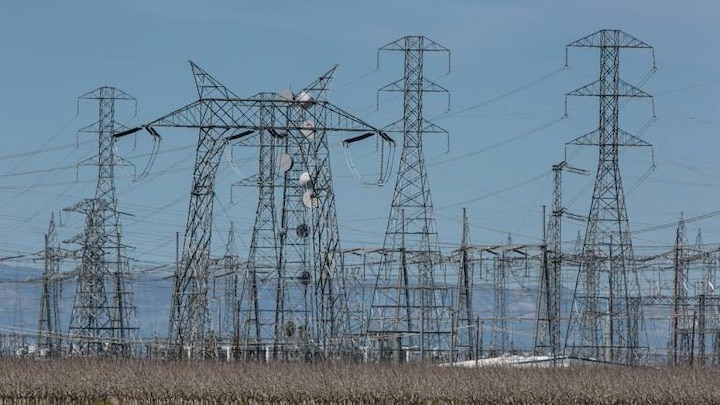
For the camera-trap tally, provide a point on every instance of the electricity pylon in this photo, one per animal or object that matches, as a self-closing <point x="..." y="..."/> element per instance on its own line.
<point x="463" y="331"/>
<point x="499" y="338"/>
<point x="104" y="315"/>
<point x="603" y="324"/>
<point x="311" y="305"/>
<point x="408" y="310"/>
<point x="254" y="320"/>
<point x="231" y="273"/>
<point x="223" y="117"/>
<point x="681" y="335"/>
<point x="547" y="326"/>
<point x="49" y="333"/>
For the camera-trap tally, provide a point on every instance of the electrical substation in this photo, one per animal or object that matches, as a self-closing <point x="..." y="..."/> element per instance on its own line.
<point x="290" y="288"/>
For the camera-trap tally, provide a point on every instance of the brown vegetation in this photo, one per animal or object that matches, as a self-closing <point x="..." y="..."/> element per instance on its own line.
<point x="153" y="382"/>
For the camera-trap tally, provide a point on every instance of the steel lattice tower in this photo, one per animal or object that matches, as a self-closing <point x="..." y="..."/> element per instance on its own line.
<point x="49" y="320"/>
<point x="255" y="321"/>
<point x="189" y="309"/>
<point x="408" y="309"/>
<point x="103" y="317"/>
<point x="311" y="305"/>
<point x="499" y="338"/>
<point x="603" y="324"/>
<point x="230" y="262"/>
<point x="463" y="330"/>
<point x="681" y="335"/>
<point x="547" y="328"/>
<point x="223" y="117"/>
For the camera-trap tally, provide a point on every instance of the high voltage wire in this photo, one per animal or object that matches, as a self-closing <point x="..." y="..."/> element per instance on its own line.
<point x="484" y="196"/>
<point x="501" y="96"/>
<point x="498" y="144"/>
<point x="44" y="149"/>
<point x="674" y="224"/>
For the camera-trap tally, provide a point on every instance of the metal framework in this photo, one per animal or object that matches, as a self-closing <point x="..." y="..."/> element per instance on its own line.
<point x="702" y="338"/>
<point x="222" y="117"/>
<point x="282" y="264"/>
<point x="547" y="327"/>
<point x="229" y="325"/>
<point x="547" y="334"/>
<point x="49" y="333"/>
<point x="410" y="309"/>
<point x="499" y="336"/>
<point x="682" y="321"/>
<point x="255" y="321"/>
<point x="464" y="341"/>
<point x="104" y="316"/>
<point x="311" y="305"/>
<point x="504" y="266"/>
<point x="602" y="323"/>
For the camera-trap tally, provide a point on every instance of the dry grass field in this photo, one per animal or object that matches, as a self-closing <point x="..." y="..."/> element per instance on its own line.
<point x="154" y="382"/>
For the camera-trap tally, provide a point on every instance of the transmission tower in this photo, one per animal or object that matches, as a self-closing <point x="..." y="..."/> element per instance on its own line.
<point x="49" y="320"/>
<point x="104" y="314"/>
<point x="408" y="309"/>
<point x="463" y="331"/>
<point x="231" y="273"/>
<point x="682" y="320"/>
<point x="499" y="338"/>
<point x="708" y="266"/>
<point x="311" y="303"/>
<point x="602" y="323"/>
<point x="223" y="117"/>
<point x="708" y="325"/>
<point x="254" y="320"/>
<point x="547" y="327"/>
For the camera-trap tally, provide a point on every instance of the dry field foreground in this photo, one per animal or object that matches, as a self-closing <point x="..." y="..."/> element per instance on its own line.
<point x="147" y="382"/>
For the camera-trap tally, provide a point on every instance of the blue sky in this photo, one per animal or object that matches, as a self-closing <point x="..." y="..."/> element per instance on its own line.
<point x="504" y="121"/>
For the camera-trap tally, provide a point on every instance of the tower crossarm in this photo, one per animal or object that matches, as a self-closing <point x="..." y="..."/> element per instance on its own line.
<point x="245" y="114"/>
<point x="624" y="138"/>
<point x="599" y="89"/>
<point x="618" y="39"/>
